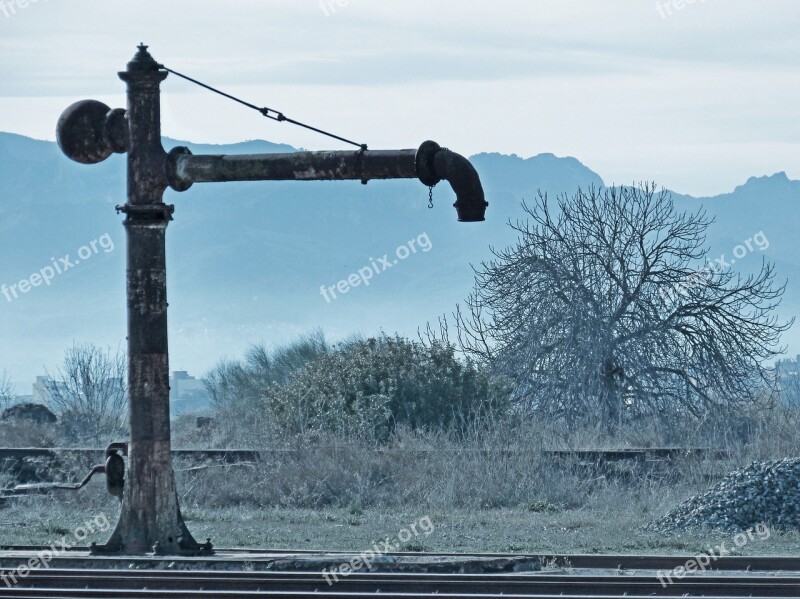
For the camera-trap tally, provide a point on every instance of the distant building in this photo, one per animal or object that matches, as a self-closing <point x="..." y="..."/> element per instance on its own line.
<point x="788" y="366"/>
<point x="44" y="386"/>
<point x="787" y="373"/>
<point x="42" y="389"/>
<point x="187" y="394"/>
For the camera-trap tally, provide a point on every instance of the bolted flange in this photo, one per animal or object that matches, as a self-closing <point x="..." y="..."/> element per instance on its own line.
<point x="426" y="168"/>
<point x="174" y="179"/>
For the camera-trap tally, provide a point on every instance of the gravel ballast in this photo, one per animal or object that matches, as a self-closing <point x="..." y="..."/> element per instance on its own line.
<point x="761" y="493"/>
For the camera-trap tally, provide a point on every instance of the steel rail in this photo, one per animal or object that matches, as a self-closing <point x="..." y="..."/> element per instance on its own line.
<point x="529" y="584"/>
<point x="720" y="592"/>
<point x="760" y="563"/>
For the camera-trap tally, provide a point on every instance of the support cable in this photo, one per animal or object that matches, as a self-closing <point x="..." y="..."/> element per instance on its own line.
<point x="270" y="113"/>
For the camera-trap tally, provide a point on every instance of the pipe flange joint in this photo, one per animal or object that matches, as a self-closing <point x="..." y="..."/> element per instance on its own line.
<point x="147" y="213"/>
<point x="426" y="170"/>
<point x="171" y="169"/>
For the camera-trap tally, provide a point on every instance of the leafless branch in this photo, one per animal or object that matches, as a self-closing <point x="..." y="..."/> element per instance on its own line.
<point x="607" y="308"/>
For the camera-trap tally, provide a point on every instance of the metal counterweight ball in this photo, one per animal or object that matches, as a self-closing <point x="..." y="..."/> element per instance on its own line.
<point x="80" y="132"/>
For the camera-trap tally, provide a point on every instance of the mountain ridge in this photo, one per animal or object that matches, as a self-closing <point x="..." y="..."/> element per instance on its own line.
<point x="247" y="260"/>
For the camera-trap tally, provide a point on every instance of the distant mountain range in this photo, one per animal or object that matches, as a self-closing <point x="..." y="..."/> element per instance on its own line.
<point x="247" y="260"/>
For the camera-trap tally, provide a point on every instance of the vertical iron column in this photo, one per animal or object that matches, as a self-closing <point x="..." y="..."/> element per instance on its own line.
<point x="150" y="517"/>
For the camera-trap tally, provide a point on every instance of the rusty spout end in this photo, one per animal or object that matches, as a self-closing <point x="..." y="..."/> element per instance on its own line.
<point x="435" y="163"/>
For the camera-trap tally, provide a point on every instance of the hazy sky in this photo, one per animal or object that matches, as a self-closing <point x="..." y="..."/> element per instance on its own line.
<point x="695" y="95"/>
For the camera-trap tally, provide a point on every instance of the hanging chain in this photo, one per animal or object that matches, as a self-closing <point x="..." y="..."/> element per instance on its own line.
<point x="430" y="190"/>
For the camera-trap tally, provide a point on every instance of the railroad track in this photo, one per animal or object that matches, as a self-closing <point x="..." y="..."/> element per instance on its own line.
<point x="26" y="463"/>
<point x="247" y="557"/>
<point x="624" y="576"/>
<point x="75" y="583"/>
<point x="106" y="583"/>
<point x="231" y="455"/>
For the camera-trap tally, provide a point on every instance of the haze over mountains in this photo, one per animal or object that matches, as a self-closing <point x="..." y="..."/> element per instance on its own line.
<point x="246" y="260"/>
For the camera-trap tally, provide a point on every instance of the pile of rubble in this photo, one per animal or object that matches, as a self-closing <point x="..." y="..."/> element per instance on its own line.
<point x="761" y="493"/>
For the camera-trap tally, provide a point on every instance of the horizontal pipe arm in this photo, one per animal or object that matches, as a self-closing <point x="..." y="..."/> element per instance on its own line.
<point x="184" y="168"/>
<point x="430" y="164"/>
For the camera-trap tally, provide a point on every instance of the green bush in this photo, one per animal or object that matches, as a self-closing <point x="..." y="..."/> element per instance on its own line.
<point x="367" y="388"/>
<point x="363" y="387"/>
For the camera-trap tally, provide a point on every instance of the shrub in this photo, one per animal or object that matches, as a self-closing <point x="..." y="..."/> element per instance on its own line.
<point x="366" y="388"/>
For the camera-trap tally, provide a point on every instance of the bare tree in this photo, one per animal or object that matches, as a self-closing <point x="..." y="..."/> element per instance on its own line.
<point x="6" y="391"/>
<point x="89" y="393"/>
<point x="608" y="306"/>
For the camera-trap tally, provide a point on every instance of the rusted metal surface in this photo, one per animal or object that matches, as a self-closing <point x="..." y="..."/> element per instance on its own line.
<point x="26" y="489"/>
<point x="435" y="163"/>
<point x="297" y="166"/>
<point x="115" y="474"/>
<point x="403" y="575"/>
<point x="114" y="469"/>
<point x="149" y="515"/>
<point x="430" y="163"/>
<point x="81" y="132"/>
<point x="89" y="132"/>
<point x="455" y="169"/>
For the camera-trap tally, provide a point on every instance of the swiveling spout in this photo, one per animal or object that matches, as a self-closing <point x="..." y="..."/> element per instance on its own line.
<point x="435" y="163"/>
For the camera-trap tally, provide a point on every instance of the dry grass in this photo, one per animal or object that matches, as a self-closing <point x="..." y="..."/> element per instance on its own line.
<point x="600" y="526"/>
<point x="490" y="489"/>
<point x="498" y="465"/>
